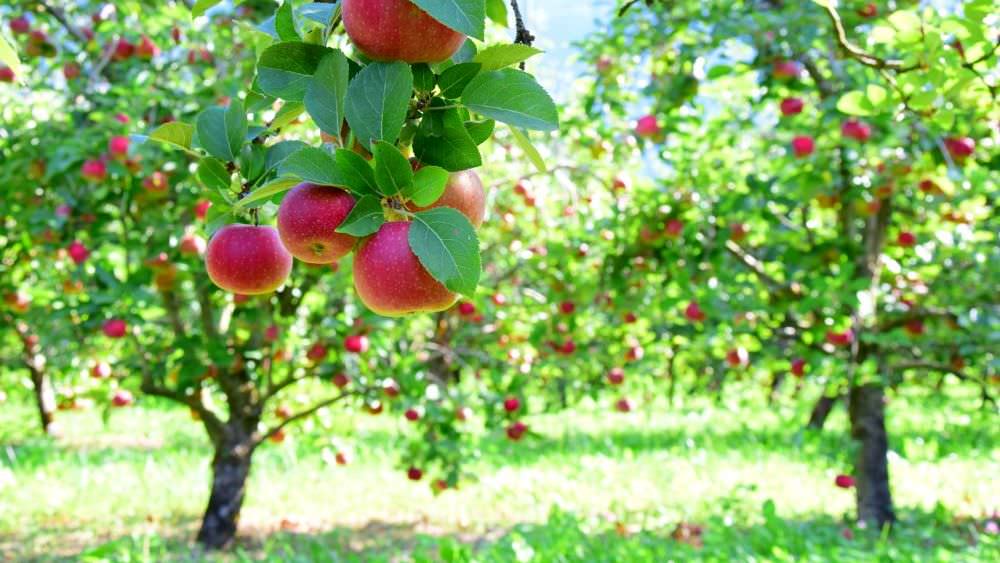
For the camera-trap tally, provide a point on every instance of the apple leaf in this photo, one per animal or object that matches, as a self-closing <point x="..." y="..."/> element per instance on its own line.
<point x="213" y="175"/>
<point x="278" y="152"/>
<point x="357" y="172"/>
<point x="466" y="16"/>
<point x="377" y="101"/>
<point x="284" y="23"/>
<point x="393" y="172"/>
<point x="480" y="131"/>
<point x="455" y="78"/>
<point x="522" y="141"/>
<point x="221" y="131"/>
<point x="428" y="184"/>
<point x="443" y="140"/>
<point x="365" y="218"/>
<point x="312" y="165"/>
<point x="496" y="57"/>
<point x="446" y="244"/>
<point x="327" y="92"/>
<point x="202" y="6"/>
<point x="8" y="56"/>
<point x="174" y="133"/>
<point x="513" y="97"/>
<point x="285" y="70"/>
<point x="319" y="13"/>
<point x="496" y="10"/>
<point x="267" y="191"/>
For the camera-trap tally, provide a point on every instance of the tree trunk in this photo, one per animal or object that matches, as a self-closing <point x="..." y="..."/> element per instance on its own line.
<point x="230" y="469"/>
<point x="821" y="410"/>
<point x="867" y="413"/>
<point x="44" y="399"/>
<point x="776" y="380"/>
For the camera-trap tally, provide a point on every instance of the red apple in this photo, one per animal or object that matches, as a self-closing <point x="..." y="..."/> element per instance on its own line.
<point x="118" y="146"/>
<point x="247" y="260"/>
<point x="464" y="193"/>
<point x="20" y="25"/>
<point x="516" y="430"/>
<point x="616" y="376"/>
<point x="146" y="48"/>
<point x="342" y="458"/>
<point x="798" y="367"/>
<point x="630" y="318"/>
<point x="634" y="353"/>
<point x="114" y="328"/>
<point x="94" y="170"/>
<point x="857" y="130"/>
<point x="792" y="106"/>
<point x="100" y="370"/>
<point x="308" y="219"/>
<point x="78" y="252"/>
<point x="466" y="309"/>
<point x="786" y="70"/>
<point x="341" y="380"/>
<point x="737" y="357"/>
<point x="844" y="481"/>
<point x="271" y="333"/>
<point x="201" y="208"/>
<point x="694" y="313"/>
<point x="737" y="232"/>
<point x="414" y="474"/>
<point x="463" y="413"/>
<point x="156" y="182"/>
<point x="71" y="70"/>
<point x="390" y="388"/>
<point x="356" y="343"/>
<point x="511" y="404"/>
<point x="914" y="327"/>
<point x="412" y="414"/>
<point x="803" y="146"/>
<point x="869" y="10"/>
<point x="906" y="239"/>
<point x="6" y="74"/>
<point x="624" y="405"/>
<point x="960" y="148"/>
<point x="123" y="50"/>
<point x="389" y="278"/>
<point x="844" y="338"/>
<point x="192" y="245"/>
<point x="499" y="299"/>
<point x="317" y="352"/>
<point x="567" y="307"/>
<point x="397" y="30"/>
<point x="122" y="398"/>
<point x="647" y="127"/>
<point x="283" y="412"/>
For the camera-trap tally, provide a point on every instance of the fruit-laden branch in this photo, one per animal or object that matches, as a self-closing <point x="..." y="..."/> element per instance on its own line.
<point x="755" y="266"/>
<point x="857" y="53"/>
<point x="259" y="437"/>
<point x="213" y="425"/>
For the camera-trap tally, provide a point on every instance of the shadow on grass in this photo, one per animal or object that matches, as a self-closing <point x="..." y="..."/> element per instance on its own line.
<point x="566" y="537"/>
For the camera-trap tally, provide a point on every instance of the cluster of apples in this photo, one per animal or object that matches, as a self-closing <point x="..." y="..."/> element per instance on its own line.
<point x="388" y="276"/>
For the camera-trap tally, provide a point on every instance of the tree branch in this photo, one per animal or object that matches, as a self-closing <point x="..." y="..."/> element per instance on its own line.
<point x="757" y="268"/>
<point x="857" y="53"/>
<point x="523" y="36"/>
<point x="259" y="437"/>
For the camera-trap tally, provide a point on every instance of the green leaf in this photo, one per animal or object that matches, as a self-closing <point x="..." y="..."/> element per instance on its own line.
<point x="446" y="244"/>
<point x="423" y="77"/>
<point x="285" y="70"/>
<point x="174" y="133"/>
<point x="312" y="165"/>
<point x="212" y="174"/>
<point x="907" y="26"/>
<point x="357" y="172"/>
<point x="455" y="78"/>
<point x="327" y="92"/>
<point x="377" y="101"/>
<point x="428" y="184"/>
<point x="221" y="131"/>
<point x="393" y="172"/>
<point x="522" y="141"/>
<point x="496" y="57"/>
<point x="496" y="10"/>
<point x="443" y="140"/>
<point x="284" y="23"/>
<point x="466" y="16"/>
<point x="319" y="13"/>
<point x="8" y="56"/>
<point x="365" y="218"/>
<point x="267" y="191"/>
<point x="513" y="97"/>
<point x="278" y="152"/>
<point x="854" y="103"/>
<point x="202" y="6"/>
<point x="480" y="131"/>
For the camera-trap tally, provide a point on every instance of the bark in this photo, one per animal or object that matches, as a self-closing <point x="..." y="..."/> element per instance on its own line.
<point x="230" y="469"/>
<point x="867" y="414"/>
<point x="44" y="399"/>
<point x="821" y="411"/>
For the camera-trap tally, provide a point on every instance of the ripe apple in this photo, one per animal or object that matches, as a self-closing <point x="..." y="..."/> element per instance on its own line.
<point x="20" y="25"/>
<point x="857" y="130"/>
<point x="906" y="239"/>
<point x="674" y="228"/>
<point x="464" y="193"/>
<point x="737" y="357"/>
<point x="516" y="430"/>
<point x="6" y="74"/>
<point x="414" y="474"/>
<point x="308" y="219"/>
<point x="914" y="327"/>
<point x="317" y="352"/>
<point x="78" y="252"/>
<point x="624" y="405"/>
<point x="278" y="437"/>
<point x="737" y="232"/>
<point x="620" y="183"/>
<point x="201" y="208"/>
<point x="122" y="398"/>
<point x="463" y="413"/>
<point x="94" y="170"/>
<point x="389" y="278"/>
<point x="397" y="30"/>
<point x="342" y="458"/>
<point x="341" y="380"/>
<point x="466" y="309"/>
<point x="390" y="388"/>
<point x="71" y="70"/>
<point x="271" y="333"/>
<point x="844" y="338"/>
<point x="283" y="412"/>
<point x="798" y="367"/>
<point x="693" y="312"/>
<point x="100" y="370"/>
<point x="114" y="328"/>
<point x="247" y="260"/>
<point x="146" y="48"/>
<point x="567" y="307"/>
<point x="499" y="300"/>
<point x="634" y="353"/>
<point x="118" y="146"/>
<point x="616" y="376"/>
<point x="843" y="481"/>
<point x="792" y="106"/>
<point x="603" y="64"/>
<point x="803" y="146"/>
<point x="960" y="148"/>
<point x="511" y="404"/>
<point x="123" y="50"/>
<point x="156" y="182"/>
<point x="647" y="127"/>
<point x="356" y="343"/>
<point x="192" y="245"/>
<point x="412" y="414"/>
<point x="869" y="10"/>
<point x="786" y="70"/>
<point x="630" y="318"/>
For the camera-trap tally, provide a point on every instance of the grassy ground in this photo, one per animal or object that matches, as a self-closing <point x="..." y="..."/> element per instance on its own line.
<point x="594" y="486"/>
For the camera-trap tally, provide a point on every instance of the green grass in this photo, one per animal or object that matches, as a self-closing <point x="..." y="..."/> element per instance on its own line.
<point x="591" y="486"/>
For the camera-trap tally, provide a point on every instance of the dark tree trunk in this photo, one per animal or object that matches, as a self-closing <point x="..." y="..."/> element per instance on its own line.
<point x="44" y="399"/>
<point x="776" y="380"/>
<point x="867" y="413"/>
<point x="230" y="469"/>
<point x="821" y="410"/>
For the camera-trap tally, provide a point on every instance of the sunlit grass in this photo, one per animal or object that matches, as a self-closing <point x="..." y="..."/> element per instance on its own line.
<point x="145" y="475"/>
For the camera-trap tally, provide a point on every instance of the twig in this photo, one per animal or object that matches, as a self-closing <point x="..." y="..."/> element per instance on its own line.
<point x="260" y="437"/>
<point x="858" y="53"/>
<point x="757" y="268"/>
<point x="523" y="36"/>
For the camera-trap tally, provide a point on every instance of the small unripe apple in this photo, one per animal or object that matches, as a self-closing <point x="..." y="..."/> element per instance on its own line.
<point x="247" y="260"/>
<point x="516" y="431"/>
<point x="389" y="278"/>
<point x="398" y="30"/>
<point x="78" y="252"/>
<point x="308" y="219"/>
<point x="803" y="146"/>
<point x="356" y="343"/>
<point x="792" y="106"/>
